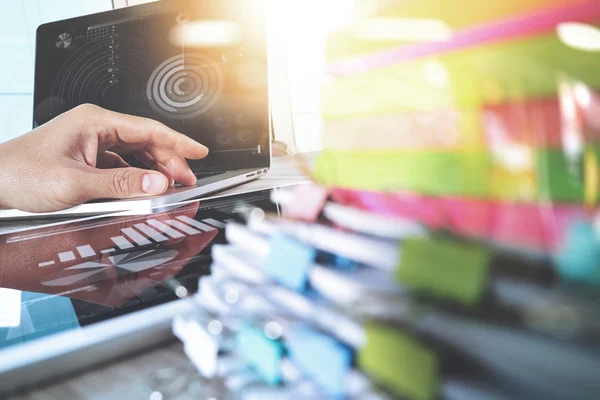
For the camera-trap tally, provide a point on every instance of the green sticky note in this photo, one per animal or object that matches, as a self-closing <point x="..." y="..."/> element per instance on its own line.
<point x="557" y="180"/>
<point x="426" y="172"/>
<point x="444" y="267"/>
<point x="400" y="363"/>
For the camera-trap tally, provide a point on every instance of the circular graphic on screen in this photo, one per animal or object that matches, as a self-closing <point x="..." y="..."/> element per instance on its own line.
<point x="244" y="135"/>
<point x="185" y="87"/>
<point x="221" y="122"/>
<point x="223" y="138"/>
<point x="63" y="40"/>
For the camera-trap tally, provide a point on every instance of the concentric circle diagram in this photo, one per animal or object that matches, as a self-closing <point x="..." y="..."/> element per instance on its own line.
<point x="185" y="86"/>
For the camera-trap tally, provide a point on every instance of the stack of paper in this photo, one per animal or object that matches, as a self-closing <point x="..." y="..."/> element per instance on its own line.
<point x="342" y="302"/>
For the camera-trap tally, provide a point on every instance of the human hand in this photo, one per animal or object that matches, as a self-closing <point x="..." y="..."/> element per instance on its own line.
<point x="75" y="158"/>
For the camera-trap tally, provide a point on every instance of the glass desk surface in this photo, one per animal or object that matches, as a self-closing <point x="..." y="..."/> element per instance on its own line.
<point x="67" y="277"/>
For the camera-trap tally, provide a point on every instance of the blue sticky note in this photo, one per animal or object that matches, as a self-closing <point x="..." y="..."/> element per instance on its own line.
<point x="261" y="353"/>
<point x="289" y="261"/>
<point x="579" y="258"/>
<point x="322" y="358"/>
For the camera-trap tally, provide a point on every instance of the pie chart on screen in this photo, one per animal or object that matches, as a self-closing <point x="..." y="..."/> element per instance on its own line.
<point x="63" y="40"/>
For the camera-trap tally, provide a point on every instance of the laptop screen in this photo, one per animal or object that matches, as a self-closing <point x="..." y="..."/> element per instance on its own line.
<point x="199" y="66"/>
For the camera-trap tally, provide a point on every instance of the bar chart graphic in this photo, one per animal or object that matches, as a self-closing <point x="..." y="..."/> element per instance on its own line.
<point x="66" y="256"/>
<point x="86" y="251"/>
<point x="151" y="232"/>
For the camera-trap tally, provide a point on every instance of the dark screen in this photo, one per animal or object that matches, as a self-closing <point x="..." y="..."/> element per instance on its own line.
<point x="198" y="66"/>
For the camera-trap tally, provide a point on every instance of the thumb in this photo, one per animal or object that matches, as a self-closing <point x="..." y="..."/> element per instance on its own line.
<point x="122" y="183"/>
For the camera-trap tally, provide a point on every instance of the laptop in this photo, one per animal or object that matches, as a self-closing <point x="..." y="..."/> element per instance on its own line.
<point x="198" y="66"/>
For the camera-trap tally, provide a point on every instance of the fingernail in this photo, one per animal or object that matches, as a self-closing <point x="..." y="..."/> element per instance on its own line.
<point x="154" y="183"/>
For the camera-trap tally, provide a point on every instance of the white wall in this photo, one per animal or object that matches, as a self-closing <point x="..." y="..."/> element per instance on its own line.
<point x="306" y="25"/>
<point x="18" y="21"/>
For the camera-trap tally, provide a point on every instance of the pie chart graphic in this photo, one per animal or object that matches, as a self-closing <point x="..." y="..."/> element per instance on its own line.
<point x="63" y="40"/>
<point x="134" y="262"/>
<point x="142" y="260"/>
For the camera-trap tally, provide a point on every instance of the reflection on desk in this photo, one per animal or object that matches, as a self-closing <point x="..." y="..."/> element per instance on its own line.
<point x="77" y="274"/>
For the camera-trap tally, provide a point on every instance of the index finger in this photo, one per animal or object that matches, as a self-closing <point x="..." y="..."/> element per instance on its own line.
<point x="139" y="133"/>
